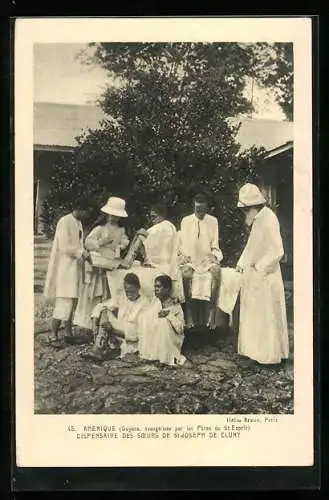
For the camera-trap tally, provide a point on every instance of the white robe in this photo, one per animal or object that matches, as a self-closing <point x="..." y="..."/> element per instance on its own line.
<point x="128" y="320"/>
<point x="198" y="239"/>
<point x="161" y="247"/>
<point x="107" y="240"/>
<point x="263" y="332"/>
<point x="65" y="267"/>
<point x="161" y="339"/>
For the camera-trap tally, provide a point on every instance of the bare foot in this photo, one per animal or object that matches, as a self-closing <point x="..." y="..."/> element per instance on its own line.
<point x="55" y="342"/>
<point x="92" y="356"/>
<point x="212" y="320"/>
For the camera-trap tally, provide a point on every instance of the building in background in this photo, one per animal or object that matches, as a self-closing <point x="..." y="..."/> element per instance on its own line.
<point x="55" y="128"/>
<point x="276" y="173"/>
<point x="57" y="125"/>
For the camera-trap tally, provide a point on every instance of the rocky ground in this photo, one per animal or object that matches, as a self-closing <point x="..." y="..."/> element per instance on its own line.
<point x="216" y="381"/>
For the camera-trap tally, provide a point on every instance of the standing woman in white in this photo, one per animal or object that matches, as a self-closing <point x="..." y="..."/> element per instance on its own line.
<point x="263" y="332"/>
<point x="64" y="275"/>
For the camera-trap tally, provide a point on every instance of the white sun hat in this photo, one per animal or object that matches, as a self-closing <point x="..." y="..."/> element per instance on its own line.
<point x="115" y="206"/>
<point x="250" y="195"/>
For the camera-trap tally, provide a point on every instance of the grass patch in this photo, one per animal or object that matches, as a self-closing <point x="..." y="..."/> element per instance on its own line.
<point x="43" y="309"/>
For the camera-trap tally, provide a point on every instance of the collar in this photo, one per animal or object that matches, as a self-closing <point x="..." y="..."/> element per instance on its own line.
<point x="76" y="220"/>
<point x="168" y="302"/>
<point x="135" y="300"/>
<point x="259" y="213"/>
<point x="199" y="220"/>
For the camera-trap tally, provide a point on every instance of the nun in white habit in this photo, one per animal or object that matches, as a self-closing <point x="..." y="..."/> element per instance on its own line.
<point x="263" y="332"/>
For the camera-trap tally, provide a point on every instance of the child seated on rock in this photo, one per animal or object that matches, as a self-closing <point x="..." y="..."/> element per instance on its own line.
<point x="117" y="324"/>
<point x="162" y="326"/>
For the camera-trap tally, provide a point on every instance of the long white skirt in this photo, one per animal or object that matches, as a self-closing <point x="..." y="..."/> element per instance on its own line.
<point x="158" y="341"/>
<point x="85" y="306"/>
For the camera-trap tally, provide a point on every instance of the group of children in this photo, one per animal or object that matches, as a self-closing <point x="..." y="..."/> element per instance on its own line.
<point x="134" y="324"/>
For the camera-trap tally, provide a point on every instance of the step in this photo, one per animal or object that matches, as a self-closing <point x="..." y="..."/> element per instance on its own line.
<point x="39" y="275"/>
<point x="46" y="246"/>
<point x="40" y="237"/>
<point x="41" y="255"/>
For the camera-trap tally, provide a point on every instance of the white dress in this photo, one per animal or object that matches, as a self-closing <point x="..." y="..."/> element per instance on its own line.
<point x="263" y="332"/>
<point x="161" y="247"/>
<point x="161" y="339"/>
<point x="107" y="240"/>
<point x="65" y="267"/>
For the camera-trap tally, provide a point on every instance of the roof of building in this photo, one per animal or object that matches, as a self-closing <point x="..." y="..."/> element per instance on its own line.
<point x="269" y="134"/>
<point x="57" y="126"/>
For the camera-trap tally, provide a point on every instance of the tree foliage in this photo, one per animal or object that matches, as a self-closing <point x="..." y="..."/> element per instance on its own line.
<point x="273" y="68"/>
<point x="167" y="134"/>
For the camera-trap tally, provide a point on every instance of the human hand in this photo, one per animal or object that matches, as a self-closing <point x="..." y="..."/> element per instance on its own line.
<point x="85" y="255"/>
<point x="113" y="309"/>
<point x="184" y="259"/>
<point x="142" y="232"/>
<point x="258" y="270"/>
<point x="163" y="313"/>
<point x="213" y="259"/>
<point x="104" y="241"/>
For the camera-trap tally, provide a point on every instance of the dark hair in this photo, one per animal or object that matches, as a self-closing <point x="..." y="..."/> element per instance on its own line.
<point x="81" y="203"/>
<point x="165" y="281"/>
<point x="160" y="209"/>
<point x="132" y="279"/>
<point x="200" y="198"/>
<point x="100" y="221"/>
<point x="258" y="207"/>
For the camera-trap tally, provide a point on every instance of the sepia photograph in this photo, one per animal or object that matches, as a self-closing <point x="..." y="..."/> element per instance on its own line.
<point x="163" y="228"/>
<point x="163" y="242"/>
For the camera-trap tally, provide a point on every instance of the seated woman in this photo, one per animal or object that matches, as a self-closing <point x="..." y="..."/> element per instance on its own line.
<point x="162" y="327"/>
<point x="118" y="322"/>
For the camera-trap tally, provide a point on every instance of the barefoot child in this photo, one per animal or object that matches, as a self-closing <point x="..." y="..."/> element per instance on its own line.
<point x="162" y="332"/>
<point x="118" y="324"/>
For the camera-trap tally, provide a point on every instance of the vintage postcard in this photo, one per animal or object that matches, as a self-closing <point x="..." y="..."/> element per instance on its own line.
<point x="163" y="242"/>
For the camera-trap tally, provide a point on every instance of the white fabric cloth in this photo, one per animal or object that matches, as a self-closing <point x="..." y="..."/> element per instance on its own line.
<point x="65" y="268"/>
<point x="263" y="332"/>
<point x="230" y="284"/>
<point x="127" y="321"/>
<point x="161" y="246"/>
<point x="161" y="339"/>
<point x="107" y="240"/>
<point x="201" y="286"/>
<point x="198" y="239"/>
<point x="85" y="306"/>
<point x="63" y="308"/>
<point x="229" y="289"/>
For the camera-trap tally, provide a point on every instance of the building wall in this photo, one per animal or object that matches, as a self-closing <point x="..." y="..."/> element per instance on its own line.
<point x="277" y="185"/>
<point x="44" y="165"/>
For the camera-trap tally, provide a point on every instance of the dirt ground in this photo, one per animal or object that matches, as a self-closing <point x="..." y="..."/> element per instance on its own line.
<point x="217" y="381"/>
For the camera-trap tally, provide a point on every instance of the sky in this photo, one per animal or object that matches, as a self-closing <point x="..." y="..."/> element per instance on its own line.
<point x="59" y="77"/>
